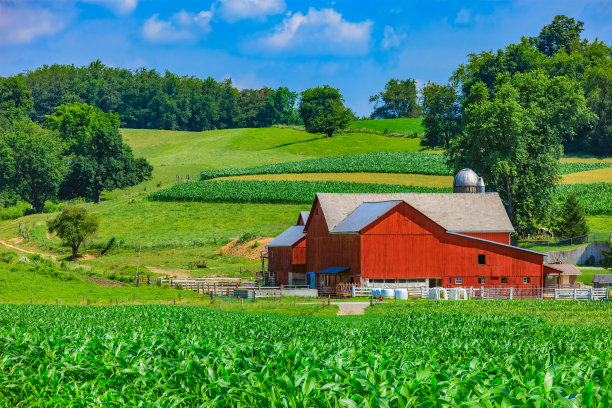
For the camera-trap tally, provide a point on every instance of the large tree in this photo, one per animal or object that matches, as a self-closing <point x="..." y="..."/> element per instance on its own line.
<point x="441" y="114"/>
<point x="99" y="160"/>
<point x="398" y="100"/>
<point x="31" y="164"/>
<point x="563" y="34"/>
<point x="322" y="110"/>
<point x="572" y="221"/>
<point x="513" y="137"/>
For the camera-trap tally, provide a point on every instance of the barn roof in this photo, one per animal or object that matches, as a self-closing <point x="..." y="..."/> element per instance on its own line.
<point x="562" y="269"/>
<point x="363" y="216"/>
<point x="289" y="237"/>
<point x="303" y="217"/>
<point x="602" y="278"/>
<point x="478" y="212"/>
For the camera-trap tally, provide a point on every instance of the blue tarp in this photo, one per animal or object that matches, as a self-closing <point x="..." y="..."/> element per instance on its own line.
<point x="335" y="269"/>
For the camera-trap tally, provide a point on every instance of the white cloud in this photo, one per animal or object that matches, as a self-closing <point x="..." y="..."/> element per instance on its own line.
<point x="181" y="26"/>
<point x="234" y="10"/>
<point x="320" y="32"/>
<point x="22" y="24"/>
<point x="463" y="16"/>
<point x="119" y="6"/>
<point x="391" y="38"/>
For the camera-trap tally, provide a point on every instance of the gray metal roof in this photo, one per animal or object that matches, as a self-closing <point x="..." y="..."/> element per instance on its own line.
<point x="453" y="212"/>
<point x="363" y="216"/>
<point x="602" y="278"/>
<point x="465" y="177"/>
<point x="289" y="237"/>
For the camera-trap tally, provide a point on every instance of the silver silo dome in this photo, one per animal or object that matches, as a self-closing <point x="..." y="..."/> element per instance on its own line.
<point x="466" y="181"/>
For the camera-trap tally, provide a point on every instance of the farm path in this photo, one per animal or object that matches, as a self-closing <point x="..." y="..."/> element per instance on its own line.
<point x="27" y="251"/>
<point x="178" y="274"/>
<point x="351" y="308"/>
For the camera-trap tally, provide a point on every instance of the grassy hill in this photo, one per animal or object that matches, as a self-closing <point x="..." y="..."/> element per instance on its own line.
<point x="174" y="234"/>
<point x="405" y="126"/>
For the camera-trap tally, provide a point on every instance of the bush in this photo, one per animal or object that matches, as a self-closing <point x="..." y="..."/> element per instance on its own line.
<point x="8" y="257"/>
<point x="11" y="213"/>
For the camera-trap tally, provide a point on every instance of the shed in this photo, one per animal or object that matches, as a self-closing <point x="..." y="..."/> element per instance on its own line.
<point x="287" y="255"/>
<point x="560" y="275"/>
<point x="602" y="280"/>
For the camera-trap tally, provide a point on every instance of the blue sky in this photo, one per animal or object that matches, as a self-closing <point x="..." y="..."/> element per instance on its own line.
<point x="353" y="45"/>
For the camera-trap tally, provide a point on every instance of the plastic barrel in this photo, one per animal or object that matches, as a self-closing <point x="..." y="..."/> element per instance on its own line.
<point x="401" y="294"/>
<point x="388" y="293"/>
<point x="375" y="292"/>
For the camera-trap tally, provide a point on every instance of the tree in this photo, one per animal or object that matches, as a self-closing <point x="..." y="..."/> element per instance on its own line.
<point x="99" y="160"/>
<point x="513" y="136"/>
<point x="563" y="34"/>
<point x="280" y="107"/>
<point x="572" y="221"/>
<point x="441" y="114"/>
<point x="31" y="164"/>
<point x="73" y="225"/>
<point x="322" y="110"/>
<point x="398" y="100"/>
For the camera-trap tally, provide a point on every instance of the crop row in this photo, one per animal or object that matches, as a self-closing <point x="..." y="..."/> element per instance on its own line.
<point x="249" y="191"/>
<point x="596" y="197"/>
<point x="382" y="162"/>
<point x="164" y="356"/>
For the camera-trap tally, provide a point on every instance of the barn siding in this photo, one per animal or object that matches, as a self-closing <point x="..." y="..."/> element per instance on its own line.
<point x="501" y="237"/>
<point x="326" y="250"/>
<point x="404" y="244"/>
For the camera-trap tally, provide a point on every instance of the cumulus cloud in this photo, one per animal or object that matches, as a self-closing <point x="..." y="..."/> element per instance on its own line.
<point x="21" y="24"/>
<point x="463" y="16"/>
<point x="391" y="39"/>
<point x="119" y="6"/>
<point x="181" y="26"/>
<point x="234" y="10"/>
<point x="319" y="32"/>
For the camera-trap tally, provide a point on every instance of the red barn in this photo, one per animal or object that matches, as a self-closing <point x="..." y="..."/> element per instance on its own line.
<point x="287" y="254"/>
<point x="415" y="239"/>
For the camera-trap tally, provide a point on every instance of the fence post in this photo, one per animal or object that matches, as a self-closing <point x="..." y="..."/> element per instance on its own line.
<point x="511" y="293"/>
<point x="556" y="293"/>
<point x="575" y="294"/>
<point x="590" y="293"/>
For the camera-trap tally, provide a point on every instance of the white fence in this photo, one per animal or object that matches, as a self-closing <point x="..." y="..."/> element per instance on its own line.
<point x="494" y="293"/>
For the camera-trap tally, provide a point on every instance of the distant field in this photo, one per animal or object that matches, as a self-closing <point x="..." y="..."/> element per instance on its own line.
<point x="402" y="126"/>
<point x="592" y="176"/>
<point x="376" y="178"/>
<point x="245" y="191"/>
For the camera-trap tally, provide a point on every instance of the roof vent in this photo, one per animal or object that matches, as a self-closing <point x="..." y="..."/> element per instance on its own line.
<point x="466" y="181"/>
<point x="481" y="186"/>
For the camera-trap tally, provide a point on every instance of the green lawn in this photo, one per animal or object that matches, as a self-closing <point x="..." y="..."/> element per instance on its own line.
<point x="401" y="125"/>
<point x="587" y="274"/>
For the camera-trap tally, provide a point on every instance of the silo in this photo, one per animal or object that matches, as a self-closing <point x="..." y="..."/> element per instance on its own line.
<point x="466" y="181"/>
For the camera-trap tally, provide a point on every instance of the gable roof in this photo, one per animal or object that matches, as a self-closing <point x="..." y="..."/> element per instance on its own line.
<point x="477" y="212"/>
<point x="562" y="269"/>
<point x="303" y="217"/>
<point x="363" y="216"/>
<point x="602" y="278"/>
<point x="289" y="237"/>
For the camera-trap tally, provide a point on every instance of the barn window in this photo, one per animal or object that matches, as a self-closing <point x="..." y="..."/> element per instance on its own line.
<point x="504" y="280"/>
<point x="481" y="281"/>
<point x="458" y="281"/>
<point x="526" y="280"/>
<point x="481" y="259"/>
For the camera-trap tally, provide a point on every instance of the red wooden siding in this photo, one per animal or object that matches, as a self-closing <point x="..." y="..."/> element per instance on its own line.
<point x="501" y="237"/>
<point x="326" y="250"/>
<point x="404" y="244"/>
<point x="299" y="253"/>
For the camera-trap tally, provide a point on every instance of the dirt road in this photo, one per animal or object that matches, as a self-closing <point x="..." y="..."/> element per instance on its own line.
<point x="351" y="308"/>
<point x="6" y="244"/>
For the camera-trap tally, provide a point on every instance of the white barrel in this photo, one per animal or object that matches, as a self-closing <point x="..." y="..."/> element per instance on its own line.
<point x="401" y="294"/>
<point x="388" y="293"/>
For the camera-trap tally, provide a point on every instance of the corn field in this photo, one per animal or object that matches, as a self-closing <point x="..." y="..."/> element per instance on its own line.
<point x="249" y="191"/>
<point x="165" y="356"/>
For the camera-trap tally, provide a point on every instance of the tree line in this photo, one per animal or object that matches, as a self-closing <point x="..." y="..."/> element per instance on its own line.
<point x="145" y="99"/>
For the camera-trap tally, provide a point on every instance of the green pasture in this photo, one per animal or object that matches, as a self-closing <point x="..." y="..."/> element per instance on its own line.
<point x="405" y="126"/>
